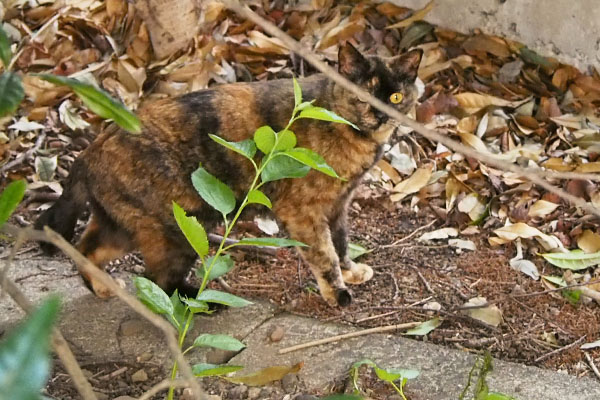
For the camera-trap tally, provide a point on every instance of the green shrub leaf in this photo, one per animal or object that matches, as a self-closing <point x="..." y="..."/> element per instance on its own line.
<point x="222" y="265"/>
<point x="286" y="140"/>
<point x="100" y="102"/>
<point x="192" y="230"/>
<point x="201" y="370"/>
<point x="11" y="92"/>
<point x="392" y="374"/>
<point x="177" y="319"/>
<point x="247" y="148"/>
<point x="257" y="197"/>
<point x="356" y="250"/>
<point x="153" y="296"/>
<point x="264" y="137"/>
<point x="312" y="159"/>
<point x="297" y="92"/>
<point x="267" y="241"/>
<point x="223" y="342"/>
<point x="213" y="191"/>
<point x="5" y="53"/>
<point x="498" y="396"/>
<point x="283" y="167"/>
<point x="323" y="114"/>
<point x="574" y="260"/>
<point x="24" y="354"/>
<point x="196" y="306"/>
<point x="215" y="296"/>
<point x="10" y="199"/>
<point x="424" y="328"/>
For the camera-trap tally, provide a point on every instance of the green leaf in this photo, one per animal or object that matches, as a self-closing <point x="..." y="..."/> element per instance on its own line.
<point x="223" y="342"/>
<point x="196" y="306"/>
<point x="574" y="260"/>
<point x="280" y="167"/>
<point x="312" y="159"/>
<point x="297" y="93"/>
<point x="557" y="280"/>
<point x="257" y="197"/>
<point x="267" y="241"/>
<point x="304" y="105"/>
<point x="213" y="191"/>
<point x="323" y="114"/>
<point x="192" y="230"/>
<point x="342" y="397"/>
<point x="222" y="265"/>
<point x="201" y="370"/>
<point x="498" y="396"/>
<point x="572" y="296"/>
<point x="286" y="140"/>
<point x="10" y="199"/>
<point x="177" y="319"/>
<point x="386" y="375"/>
<point x="247" y="148"/>
<point x="356" y="250"/>
<point x="215" y="296"/>
<point x="530" y="56"/>
<point x="5" y="53"/>
<point x="24" y="354"/>
<point x="414" y="33"/>
<point x="424" y="328"/>
<point x="100" y="102"/>
<point x="153" y="296"/>
<point x="264" y="137"/>
<point x="11" y="93"/>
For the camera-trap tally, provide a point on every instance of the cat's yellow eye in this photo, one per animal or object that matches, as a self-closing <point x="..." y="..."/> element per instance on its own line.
<point x="396" y="98"/>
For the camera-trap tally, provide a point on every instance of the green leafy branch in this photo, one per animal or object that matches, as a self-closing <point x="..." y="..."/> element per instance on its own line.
<point x="281" y="159"/>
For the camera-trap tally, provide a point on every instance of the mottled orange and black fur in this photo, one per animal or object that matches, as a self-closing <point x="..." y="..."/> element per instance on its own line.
<point x="130" y="181"/>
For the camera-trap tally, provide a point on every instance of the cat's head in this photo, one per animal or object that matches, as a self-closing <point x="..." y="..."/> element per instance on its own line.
<point x="391" y="80"/>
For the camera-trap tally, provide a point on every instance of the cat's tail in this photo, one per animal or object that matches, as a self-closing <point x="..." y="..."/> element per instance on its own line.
<point x="62" y="216"/>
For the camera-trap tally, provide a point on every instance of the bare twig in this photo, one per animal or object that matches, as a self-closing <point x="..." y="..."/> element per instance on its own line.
<point x="163" y="385"/>
<point x="536" y="176"/>
<point x="337" y="338"/>
<point x="407" y="237"/>
<point x="560" y="350"/>
<point x="590" y="361"/>
<point x="25" y="156"/>
<point x="88" y="268"/>
<point x="422" y="278"/>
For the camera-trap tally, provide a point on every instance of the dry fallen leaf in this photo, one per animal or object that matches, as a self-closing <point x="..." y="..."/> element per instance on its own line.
<point x="542" y="208"/>
<point x="266" y="375"/>
<point x="413" y="184"/>
<point x="490" y="315"/>
<point x="589" y="241"/>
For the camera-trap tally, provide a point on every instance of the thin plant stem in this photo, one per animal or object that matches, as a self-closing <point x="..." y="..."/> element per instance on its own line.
<point x="398" y="389"/>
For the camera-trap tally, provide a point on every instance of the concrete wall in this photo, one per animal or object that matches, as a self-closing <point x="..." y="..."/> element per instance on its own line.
<point x="566" y="29"/>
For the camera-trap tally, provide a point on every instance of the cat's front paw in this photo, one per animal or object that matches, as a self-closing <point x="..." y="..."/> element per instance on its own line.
<point x="357" y="274"/>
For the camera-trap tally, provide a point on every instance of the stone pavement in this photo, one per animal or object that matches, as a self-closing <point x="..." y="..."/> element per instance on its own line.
<point x="107" y="330"/>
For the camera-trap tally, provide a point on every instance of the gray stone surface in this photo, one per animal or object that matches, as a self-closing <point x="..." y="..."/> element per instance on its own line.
<point x="569" y="29"/>
<point x="107" y="330"/>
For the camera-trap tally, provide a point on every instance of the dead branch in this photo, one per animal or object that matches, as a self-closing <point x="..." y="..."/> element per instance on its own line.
<point x="337" y="338"/>
<point x="534" y="175"/>
<point x="585" y="291"/>
<point x="561" y="349"/>
<point x="163" y="385"/>
<point x="590" y="361"/>
<point x="86" y="267"/>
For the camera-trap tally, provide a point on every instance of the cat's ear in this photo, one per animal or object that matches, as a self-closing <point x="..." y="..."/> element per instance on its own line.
<point x="351" y="63"/>
<point x="407" y="64"/>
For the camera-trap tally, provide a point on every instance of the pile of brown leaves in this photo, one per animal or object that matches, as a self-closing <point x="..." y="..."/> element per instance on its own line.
<point x="488" y="92"/>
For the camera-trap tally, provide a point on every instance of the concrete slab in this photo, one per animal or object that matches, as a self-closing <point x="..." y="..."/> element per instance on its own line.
<point x="569" y="30"/>
<point x="107" y="330"/>
<point x="443" y="371"/>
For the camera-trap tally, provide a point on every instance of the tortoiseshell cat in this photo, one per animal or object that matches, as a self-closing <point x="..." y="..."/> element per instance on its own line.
<point x="130" y="180"/>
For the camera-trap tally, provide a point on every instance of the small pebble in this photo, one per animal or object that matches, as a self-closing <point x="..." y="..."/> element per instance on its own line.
<point x="238" y="392"/>
<point x="253" y="393"/>
<point x="277" y="334"/>
<point x="139" y="269"/>
<point x="187" y="394"/>
<point x="147" y="356"/>
<point x="139" y="376"/>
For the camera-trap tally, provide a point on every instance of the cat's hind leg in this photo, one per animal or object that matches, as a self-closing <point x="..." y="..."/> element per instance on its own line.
<point x="102" y="241"/>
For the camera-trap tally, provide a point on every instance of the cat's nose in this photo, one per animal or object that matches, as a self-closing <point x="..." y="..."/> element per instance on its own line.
<point x="343" y="297"/>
